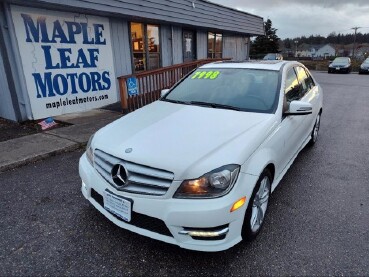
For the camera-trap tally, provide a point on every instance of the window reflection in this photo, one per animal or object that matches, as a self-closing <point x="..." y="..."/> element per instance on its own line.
<point x="138" y="46"/>
<point x="215" y="45"/>
<point x="154" y="46"/>
<point x="145" y="46"/>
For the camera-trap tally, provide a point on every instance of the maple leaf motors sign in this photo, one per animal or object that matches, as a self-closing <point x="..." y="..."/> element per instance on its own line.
<point x="67" y="60"/>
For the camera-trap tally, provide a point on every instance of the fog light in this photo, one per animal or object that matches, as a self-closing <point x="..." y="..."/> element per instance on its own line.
<point x="238" y="204"/>
<point x="204" y="233"/>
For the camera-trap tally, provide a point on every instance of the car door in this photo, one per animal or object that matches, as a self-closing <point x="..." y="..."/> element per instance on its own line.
<point x="286" y="139"/>
<point x="310" y="94"/>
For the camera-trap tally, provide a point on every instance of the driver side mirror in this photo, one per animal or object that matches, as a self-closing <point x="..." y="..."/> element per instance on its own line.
<point x="299" y="108"/>
<point x="164" y="92"/>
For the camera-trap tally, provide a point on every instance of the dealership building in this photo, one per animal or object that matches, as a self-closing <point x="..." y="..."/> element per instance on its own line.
<point x="59" y="57"/>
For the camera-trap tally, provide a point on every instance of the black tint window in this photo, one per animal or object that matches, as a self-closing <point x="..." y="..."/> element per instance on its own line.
<point x="302" y="77"/>
<point x="293" y="87"/>
<point x="309" y="81"/>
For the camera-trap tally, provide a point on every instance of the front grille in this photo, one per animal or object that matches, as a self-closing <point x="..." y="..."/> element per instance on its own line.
<point x="139" y="220"/>
<point x="141" y="179"/>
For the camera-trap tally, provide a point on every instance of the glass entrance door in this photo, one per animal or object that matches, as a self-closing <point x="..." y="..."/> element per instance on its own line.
<point x="189" y="46"/>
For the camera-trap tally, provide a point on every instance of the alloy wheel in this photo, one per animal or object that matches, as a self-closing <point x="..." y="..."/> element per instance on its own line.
<point x="316" y="128"/>
<point x="260" y="205"/>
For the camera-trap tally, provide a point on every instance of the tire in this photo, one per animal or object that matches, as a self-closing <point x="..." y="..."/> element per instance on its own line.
<point x="251" y="226"/>
<point x="315" y="132"/>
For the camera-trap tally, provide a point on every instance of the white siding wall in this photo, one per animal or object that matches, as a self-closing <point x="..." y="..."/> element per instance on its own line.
<point x="177" y="45"/>
<point x="202" y="45"/>
<point x="326" y="50"/>
<point x="6" y="105"/>
<point x="166" y="45"/>
<point x="121" y="47"/>
<point x="235" y="47"/>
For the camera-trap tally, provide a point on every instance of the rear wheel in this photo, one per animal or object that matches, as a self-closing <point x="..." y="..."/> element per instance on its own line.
<point x="258" y="206"/>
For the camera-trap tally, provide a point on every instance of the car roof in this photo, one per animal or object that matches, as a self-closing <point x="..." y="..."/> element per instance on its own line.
<point x="252" y="64"/>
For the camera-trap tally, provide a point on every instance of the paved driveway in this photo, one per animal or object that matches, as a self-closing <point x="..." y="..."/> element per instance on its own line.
<point x="318" y="222"/>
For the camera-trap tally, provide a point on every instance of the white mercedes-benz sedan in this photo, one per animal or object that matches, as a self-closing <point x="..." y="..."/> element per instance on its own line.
<point x="197" y="167"/>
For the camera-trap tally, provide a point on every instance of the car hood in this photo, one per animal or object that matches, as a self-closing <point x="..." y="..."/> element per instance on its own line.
<point x="186" y="140"/>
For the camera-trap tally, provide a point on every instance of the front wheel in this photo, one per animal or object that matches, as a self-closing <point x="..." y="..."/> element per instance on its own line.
<point x="315" y="132"/>
<point x="257" y="208"/>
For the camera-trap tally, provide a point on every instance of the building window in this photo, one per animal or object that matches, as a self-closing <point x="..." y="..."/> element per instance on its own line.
<point x="145" y="46"/>
<point x="215" y="46"/>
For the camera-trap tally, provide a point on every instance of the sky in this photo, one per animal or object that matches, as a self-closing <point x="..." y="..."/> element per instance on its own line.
<point x="308" y="17"/>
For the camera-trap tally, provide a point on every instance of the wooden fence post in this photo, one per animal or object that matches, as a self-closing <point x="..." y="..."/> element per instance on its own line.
<point x="123" y="95"/>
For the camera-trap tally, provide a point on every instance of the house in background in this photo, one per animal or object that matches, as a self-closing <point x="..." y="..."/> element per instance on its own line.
<point x="315" y="51"/>
<point x="325" y="51"/>
<point x="304" y="50"/>
<point x="361" y="51"/>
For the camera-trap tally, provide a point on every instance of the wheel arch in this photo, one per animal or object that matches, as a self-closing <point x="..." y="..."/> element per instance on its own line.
<point x="271" y="168"/>
<point x="261" y="160"/>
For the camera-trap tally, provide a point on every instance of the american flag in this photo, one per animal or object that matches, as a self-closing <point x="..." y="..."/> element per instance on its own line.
<point x="47" y="123"/>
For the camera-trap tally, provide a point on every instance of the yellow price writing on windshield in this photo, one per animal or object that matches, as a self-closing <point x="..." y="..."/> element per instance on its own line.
<point x="206" y="75"/>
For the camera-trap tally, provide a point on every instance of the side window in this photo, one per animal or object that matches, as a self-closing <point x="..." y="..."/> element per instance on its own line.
<point x="309" y="81"/>
<point x="302" y="77"/>
<point x="293" y="87"/>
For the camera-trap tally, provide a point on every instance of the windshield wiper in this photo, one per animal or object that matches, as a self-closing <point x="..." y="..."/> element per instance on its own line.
<point x="214" y="105"/>
<point x="175" y="101"/>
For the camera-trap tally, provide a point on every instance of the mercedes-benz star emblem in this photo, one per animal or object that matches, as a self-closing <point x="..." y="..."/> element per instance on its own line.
<point x="119" y="175"/>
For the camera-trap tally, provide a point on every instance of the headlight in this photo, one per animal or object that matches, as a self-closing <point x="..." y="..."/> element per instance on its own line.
<point x="90" y="151"/>
<point x="362" y="66"/>
<point x="211" y="185"/>
<point x="346" y="66"/>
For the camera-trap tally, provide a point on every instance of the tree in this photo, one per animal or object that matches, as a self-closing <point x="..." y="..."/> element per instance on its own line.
<point x="268" y="43"/>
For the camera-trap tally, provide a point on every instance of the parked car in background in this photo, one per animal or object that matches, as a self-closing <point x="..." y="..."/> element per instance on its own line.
<point x="197" y="167"/>
<point x="364" y="67"/>
<point x="340" y="65"/>
<point x="273" y="56"/>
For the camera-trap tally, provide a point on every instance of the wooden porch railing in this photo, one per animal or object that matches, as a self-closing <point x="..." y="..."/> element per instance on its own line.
<point x="150" y="83"/>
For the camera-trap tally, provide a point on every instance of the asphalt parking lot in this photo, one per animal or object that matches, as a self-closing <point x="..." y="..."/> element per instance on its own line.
<point x="318" y="221"/>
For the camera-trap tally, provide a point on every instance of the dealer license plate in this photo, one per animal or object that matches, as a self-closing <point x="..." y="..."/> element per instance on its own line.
<point x="118" y="205"/>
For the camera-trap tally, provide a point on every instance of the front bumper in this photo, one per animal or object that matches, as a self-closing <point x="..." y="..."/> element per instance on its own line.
<point x="168" y="219"/>
<point x="364" y="70"/>
<point x="339" y="69"/>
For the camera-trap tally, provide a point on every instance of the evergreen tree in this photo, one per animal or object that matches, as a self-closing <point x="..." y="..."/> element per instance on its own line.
<point x="268" y="43"/>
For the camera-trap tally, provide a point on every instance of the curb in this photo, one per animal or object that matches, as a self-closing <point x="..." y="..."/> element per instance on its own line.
<point x="36" y="158"/>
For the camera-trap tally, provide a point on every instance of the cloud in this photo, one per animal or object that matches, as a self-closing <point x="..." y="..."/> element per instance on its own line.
<point x="321" y="17"/>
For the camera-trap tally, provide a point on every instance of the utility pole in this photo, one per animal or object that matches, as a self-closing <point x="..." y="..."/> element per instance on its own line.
<point x="296" y="42"/>
<point x="353" y="47"/>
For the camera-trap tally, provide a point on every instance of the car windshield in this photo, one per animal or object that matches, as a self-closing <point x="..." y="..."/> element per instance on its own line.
<point x="340" y="61"/>
<point x="366" y="61"/>
<point x="229" y="88"/>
